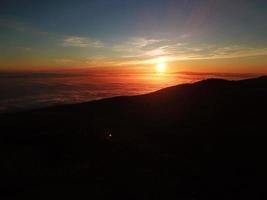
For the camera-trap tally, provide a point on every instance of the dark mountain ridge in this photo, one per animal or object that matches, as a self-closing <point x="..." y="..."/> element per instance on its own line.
<point x="193" y="141"/>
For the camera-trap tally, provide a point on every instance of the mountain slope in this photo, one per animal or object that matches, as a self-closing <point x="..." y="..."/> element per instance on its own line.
<point x="202" y="140"/>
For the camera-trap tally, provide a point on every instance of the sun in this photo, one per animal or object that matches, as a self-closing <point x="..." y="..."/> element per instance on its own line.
<point x="161" y="67"/>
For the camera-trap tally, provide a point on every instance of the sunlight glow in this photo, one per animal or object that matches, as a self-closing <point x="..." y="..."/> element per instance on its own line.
<point x="161" y="67"/>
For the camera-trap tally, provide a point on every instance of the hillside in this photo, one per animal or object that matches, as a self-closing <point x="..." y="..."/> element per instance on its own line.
<point x="194" y="141"/>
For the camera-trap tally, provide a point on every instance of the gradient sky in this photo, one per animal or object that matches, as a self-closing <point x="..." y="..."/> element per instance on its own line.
<point x="189" y="35"/>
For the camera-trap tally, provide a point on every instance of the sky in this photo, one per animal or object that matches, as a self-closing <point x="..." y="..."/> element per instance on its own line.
<point x="187" y="35"/>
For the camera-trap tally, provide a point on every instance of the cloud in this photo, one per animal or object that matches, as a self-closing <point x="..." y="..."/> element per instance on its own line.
<point x="83" y="42"/>
<point x="145" y="51"/>
<point x="160" y="51"/>
<point x="102" y="61"/>
<point x="225" y="52"/>
<point x="24" y="48"/>
<point x="137" y="44"/>
<point x="185" y="52"/>
<point x="236" y="51"/>
<point x="21" y="27"/>
<point x="64" y="61"/>
<point x="167" y="53"/>
<point x="220" y="75"/>
<point x="185" y="36"/>
<point x="143" y="42"/>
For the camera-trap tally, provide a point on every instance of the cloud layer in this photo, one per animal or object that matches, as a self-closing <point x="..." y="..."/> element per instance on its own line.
<point x="83" y="42"/>
<point x="149" y="51"/>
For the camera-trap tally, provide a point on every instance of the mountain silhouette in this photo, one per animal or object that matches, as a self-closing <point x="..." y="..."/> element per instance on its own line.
<point x="204" y="140"/>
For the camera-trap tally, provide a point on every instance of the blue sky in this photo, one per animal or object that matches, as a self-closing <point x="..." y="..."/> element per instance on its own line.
<point x="132" y="32"/>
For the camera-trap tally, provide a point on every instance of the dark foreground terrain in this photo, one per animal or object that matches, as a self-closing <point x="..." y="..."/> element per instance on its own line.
<point x="195" y="141"/>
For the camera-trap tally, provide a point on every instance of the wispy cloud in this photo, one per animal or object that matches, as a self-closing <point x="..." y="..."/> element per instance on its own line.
<point x="24" y="48"/>
<point x="184" y="52"/>
<point x="83" y="42"/>
<point x="64" y="61"/>
<point x="236" y="51"/>
<point x="185" y="36"/>
<point x="160" y="51"/>
<point x="102" y="61"/>
<point x="21" y="27"/>
<point x="143" y="42"/>
<point x="95" y="61"/>
<point x="137" y="44"/>
<point x="168" y="53"/>
<point x="224" y="52"/>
